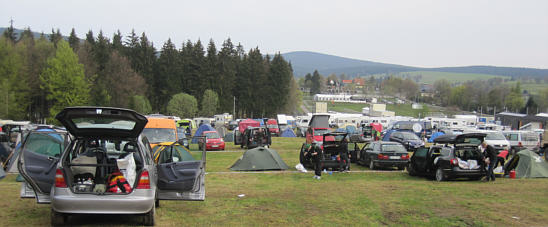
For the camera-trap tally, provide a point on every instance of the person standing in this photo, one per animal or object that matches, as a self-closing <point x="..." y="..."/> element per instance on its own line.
<point x="314" y="153"/>
<point x="490" y="158"/>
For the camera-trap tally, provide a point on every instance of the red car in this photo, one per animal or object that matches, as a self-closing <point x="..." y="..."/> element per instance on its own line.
<point x="213" y="141"/>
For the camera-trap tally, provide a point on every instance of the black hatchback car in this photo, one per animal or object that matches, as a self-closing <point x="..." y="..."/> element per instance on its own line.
<point x="452" y="156"/>
<point x="409" y="140"/>
<point x="383" y="154"/>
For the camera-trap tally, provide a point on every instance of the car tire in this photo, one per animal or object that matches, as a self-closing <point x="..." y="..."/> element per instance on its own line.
<point x="58" y="219"/>
<point x="148" y="218"/>
<point x="157" y="203"/>
<point x="371" y="164"/>
<point x="411" y="170"/>
<point x="401" y="168"/>
<point x="440" y="176"/>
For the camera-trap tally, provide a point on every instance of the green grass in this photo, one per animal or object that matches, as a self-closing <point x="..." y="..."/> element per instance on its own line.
<point x="343" y="199"/>
<point x="431" y="77"/>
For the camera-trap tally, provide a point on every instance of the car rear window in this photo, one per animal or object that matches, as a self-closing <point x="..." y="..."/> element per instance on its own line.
<point x="393" y="148"/>
<point x="212" y="135"/>
<point x="104" y="123"/>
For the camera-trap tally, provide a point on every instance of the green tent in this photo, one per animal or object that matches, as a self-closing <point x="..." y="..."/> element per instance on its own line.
<point x="259" y="158"/>
<point x="531" y="165"/>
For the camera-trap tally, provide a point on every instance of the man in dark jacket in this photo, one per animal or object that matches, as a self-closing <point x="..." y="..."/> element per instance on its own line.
<point x="490" y="157"/>
<point x="313" y="152"/>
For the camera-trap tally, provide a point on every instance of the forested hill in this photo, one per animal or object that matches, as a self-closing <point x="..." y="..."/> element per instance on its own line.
<point x="304" y="62"/>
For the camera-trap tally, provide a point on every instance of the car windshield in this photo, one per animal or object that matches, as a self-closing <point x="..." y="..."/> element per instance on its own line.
<point x="212" y="135"/>
<point x="105" y="123"/>
<point x="410" y="136"/>
<point x="393" y="148"/>
<point x="319" y="132"/>
<point x="181" y="133"/>
<point x="158" y="135"/>
<point x="495" y="136"/>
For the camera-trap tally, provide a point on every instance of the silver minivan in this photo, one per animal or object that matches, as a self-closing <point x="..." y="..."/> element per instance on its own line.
<point x="107" y="168"/>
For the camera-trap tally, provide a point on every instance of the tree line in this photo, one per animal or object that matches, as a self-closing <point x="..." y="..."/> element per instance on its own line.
<point x="40" y="76"/>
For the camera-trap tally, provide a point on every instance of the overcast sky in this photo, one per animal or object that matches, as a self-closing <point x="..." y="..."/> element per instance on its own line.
<point x="416" y="33"/>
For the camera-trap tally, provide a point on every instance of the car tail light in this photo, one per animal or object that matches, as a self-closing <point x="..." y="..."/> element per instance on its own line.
<point x="405" y="156"/>
<point x="381" y="156"/>
<point x="60" y="179"/>
<point x="454" y="162"/>
<point x="144" y="181"/>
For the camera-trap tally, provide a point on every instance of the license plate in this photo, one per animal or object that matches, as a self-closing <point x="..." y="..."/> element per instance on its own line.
<point x="215" y="146"/>
<point x="394" y="157"/>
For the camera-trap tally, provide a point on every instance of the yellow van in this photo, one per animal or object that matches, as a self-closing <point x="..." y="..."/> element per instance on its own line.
<point x="159" y="130"/>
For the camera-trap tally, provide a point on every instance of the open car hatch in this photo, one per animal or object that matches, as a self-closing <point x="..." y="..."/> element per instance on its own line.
<point x="182" y="179"/>
<point x="102" y="121"/>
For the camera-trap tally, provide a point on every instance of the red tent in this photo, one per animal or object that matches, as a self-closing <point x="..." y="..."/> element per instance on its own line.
<point x="248" y="123"/>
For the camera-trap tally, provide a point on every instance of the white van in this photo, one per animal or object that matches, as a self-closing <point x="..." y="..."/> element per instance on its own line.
<point x="520" y="140"/>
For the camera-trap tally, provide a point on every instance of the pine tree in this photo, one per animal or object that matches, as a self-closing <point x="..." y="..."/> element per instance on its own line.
<point x="90" y="38"/>
<point x="9" y="33"/>
<point x="227" y="63"/>
<point x="166" y="81"/>
<point x="73" y="40"/>
<point x="316" y="85"/>
<point x="117" y="42"/>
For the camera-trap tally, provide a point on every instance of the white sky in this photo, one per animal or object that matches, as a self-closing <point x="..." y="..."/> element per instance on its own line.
<point x="415" y="33"/>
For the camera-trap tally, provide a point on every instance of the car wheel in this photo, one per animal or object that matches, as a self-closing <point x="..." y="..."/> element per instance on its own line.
<point x="411" y="170"/>
<point x="157" y="203"/>
<point x="148" y="218"/>
<point x="439" y="175"/>
<point x="371" y="164"/>
<point x="401" y="167"/>
<point x="58" y="219"/>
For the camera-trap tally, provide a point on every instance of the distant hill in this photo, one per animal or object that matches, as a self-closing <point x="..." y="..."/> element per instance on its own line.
<point x="36" y="34"/>
<point x="304" y="62"/>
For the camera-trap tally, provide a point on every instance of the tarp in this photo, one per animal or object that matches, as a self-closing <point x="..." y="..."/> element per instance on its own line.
<point x="229" y="137"/>
<point x="434" y="136"/>
<point x="288" y="132"/>
<point x="259" y="158"/>
<point x="242" y="126"/>
<point x="531" y="165"/>
<point x="201" y="129"/>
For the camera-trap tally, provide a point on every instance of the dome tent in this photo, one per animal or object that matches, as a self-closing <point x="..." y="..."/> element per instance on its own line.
<point x="259" y="158"/>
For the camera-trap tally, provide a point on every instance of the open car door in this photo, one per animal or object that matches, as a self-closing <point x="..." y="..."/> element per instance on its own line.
<point x="37" y="162"/>
<point x="181" y="178"/>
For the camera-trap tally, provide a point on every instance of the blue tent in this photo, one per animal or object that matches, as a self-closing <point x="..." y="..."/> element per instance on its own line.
<point x="288" y="132"/>
<point x="260" y="120"/>
<point x="201" y="129"/>
<point x="433" y="136"/>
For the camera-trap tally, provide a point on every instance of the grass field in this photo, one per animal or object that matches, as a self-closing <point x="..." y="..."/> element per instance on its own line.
<point x="343" y="199"/>
<point x="430" y="77"/>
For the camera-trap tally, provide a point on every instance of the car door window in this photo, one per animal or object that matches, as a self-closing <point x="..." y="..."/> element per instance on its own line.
<point x="421" y="152"/>
<point x="49" y="144"/>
